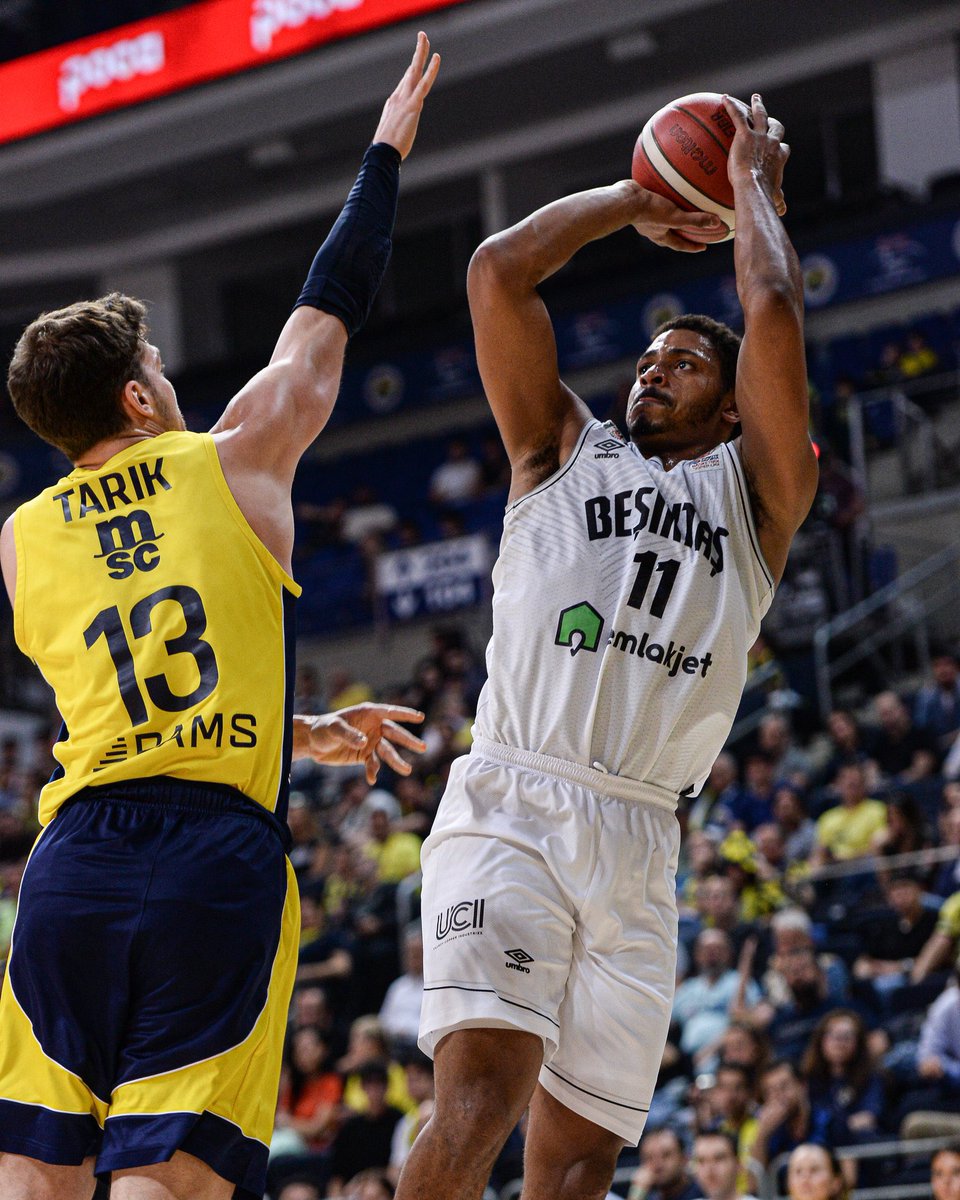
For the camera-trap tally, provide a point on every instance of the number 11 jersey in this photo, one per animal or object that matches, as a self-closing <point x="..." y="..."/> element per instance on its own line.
<point x="625" y="600"/>
<point x="162" y="623"/>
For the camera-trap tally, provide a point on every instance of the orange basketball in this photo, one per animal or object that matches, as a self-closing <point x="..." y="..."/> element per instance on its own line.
<point x="681" y="153"/>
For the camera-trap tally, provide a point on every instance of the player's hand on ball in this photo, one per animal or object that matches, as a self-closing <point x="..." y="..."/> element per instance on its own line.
<point x="401" y="113"/>
<point x="758" y="147"/>
<point x="362" y="733"/>
<point x="660" y="220"/>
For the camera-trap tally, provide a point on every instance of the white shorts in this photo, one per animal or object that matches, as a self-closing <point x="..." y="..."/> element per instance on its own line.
<point x="549" y="906"/>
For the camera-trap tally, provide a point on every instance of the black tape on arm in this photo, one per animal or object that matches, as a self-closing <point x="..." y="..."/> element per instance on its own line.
<point x="349" y="266"/>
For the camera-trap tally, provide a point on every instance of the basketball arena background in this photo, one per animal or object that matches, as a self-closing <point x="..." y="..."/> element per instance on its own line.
<point x="195" y="155"/>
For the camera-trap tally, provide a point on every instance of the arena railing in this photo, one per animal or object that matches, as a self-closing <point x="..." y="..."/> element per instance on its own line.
<point x="921" y="1148"/>
<point x="900" y="611"/>
<point x="901" y="1148"/>
<point x="926" y="459"/>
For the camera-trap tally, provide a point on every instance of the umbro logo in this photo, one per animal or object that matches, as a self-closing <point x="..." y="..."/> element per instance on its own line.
<point x="519" y="958"/>
<point x="609" y="444"/>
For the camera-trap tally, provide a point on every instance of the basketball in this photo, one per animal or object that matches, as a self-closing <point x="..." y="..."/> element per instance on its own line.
<point x="681" y="153"/>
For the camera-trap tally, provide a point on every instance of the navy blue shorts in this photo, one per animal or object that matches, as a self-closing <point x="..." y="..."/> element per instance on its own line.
<point x="148" y="982"/>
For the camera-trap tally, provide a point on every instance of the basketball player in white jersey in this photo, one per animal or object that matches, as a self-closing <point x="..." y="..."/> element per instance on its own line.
<point x="631" y="581"/>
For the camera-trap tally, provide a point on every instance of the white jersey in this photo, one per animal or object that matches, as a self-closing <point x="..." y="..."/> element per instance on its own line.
<point x="625" y="600"/>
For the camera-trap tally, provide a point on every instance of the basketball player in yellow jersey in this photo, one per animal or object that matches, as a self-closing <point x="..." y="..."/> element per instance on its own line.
<point x="144" y="1007"/>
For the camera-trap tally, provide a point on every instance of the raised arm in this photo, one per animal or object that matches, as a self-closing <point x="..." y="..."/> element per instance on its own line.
<point x="274" y="418"/>
<point x="538" y="416"/>
<point x="772" y="400"/>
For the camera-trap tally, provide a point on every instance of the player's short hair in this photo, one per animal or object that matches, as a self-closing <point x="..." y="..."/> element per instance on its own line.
<point x="720" y="336"/>
<point x="69" y="369"/>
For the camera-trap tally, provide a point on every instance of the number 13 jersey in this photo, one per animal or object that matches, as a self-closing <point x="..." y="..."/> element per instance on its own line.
<point x="162" y="623"/>
<point x="625" y="600"/>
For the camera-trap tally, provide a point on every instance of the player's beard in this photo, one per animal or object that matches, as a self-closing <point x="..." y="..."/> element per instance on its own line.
<point x="651" y="422"/>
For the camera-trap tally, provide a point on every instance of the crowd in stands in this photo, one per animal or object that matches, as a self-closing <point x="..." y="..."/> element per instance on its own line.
<point x="817" y="999"/>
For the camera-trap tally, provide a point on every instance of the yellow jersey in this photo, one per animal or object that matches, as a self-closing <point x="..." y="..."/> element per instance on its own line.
<point x="162" y="623"/>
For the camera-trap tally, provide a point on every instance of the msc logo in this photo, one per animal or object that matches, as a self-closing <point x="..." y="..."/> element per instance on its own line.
<point x="579" y="627"/>
<point x="458" y="918"/>
<point x="128" y="543"/>
<point x="519" y="958"/>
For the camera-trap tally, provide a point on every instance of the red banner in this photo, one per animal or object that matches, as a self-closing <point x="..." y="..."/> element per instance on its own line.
<point x="175" y="50"/>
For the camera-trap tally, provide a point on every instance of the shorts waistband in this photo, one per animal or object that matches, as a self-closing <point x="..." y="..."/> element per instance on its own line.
<point x="187" y="795"/>
<point x="588" y="777"/>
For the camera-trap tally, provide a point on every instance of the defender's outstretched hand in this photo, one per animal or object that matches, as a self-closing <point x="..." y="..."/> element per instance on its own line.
<point x="758" y="146"/>
<point x="401" y="113"/>
<point x="363" y="733"/>
<point x="660" y="220"/>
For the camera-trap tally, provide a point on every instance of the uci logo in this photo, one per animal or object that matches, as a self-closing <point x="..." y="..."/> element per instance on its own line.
<point x="468" y="914"/>
<point x="128" y="543"/>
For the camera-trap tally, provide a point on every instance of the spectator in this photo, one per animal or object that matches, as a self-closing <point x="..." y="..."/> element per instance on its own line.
<point x="368" y="1044"/>
<point x="10" y="876"/>
<point x="775" y="738"/>
<point x="420" y="1086"/>
<point x="326" y="954"/>
<point x="699" y="849"/>
<point x="367" y="515"/>
<point x="807" y="1000"/>
<point x="713" y="809"/>
<point x="303" y="831"/>
<point x="887" y="369"/>
<point x="945" y="1173"/>
<point x="902" y="752"/>
<point x="936" y="709"/>
<point x="918" y="356"/>
<point x="798" y="831"/>
<point x="742" y="1043"/>
<point x="847" y="830"/>
<point x="345" y="690"/>
<point x="662" y="1174"/>
<point x="357" y="800"/>
<point x="754" y="806"/>
<point x="938" y="1051"/>
<point x="906" y="829"/>
<point x="457" y="480"/>
<point x="716" y="1166"/>
<point x="364" y="1140"/>
<point x="400" y="1011"/>
<point x="791" y="932"/>
<point x="396" y="854"/>
<point x="839" y="503"/>
<point x="770" y="853"/>
<point x="846" y="1093"/>
<point x="947" y="879"/>
<point x="784" y="1117"/>
<point x="893" y="937"/>
<point x="950" y="767"/>
<point x="299" y="1189"/>
<point x="372" y="1184"/>
<point x="735" y="1105"/>
<point x="718" y="905"/>
<point x="310" y="1093"/>
<point x="310" y="1008"/>
<point x="814" y="1173"/>
<point x="757" y="895"/>
<point x="941" y="948"/>
<point x="846" y="744"/>
<point x="702" y="1003"/>
<point x="374" y="924"/>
